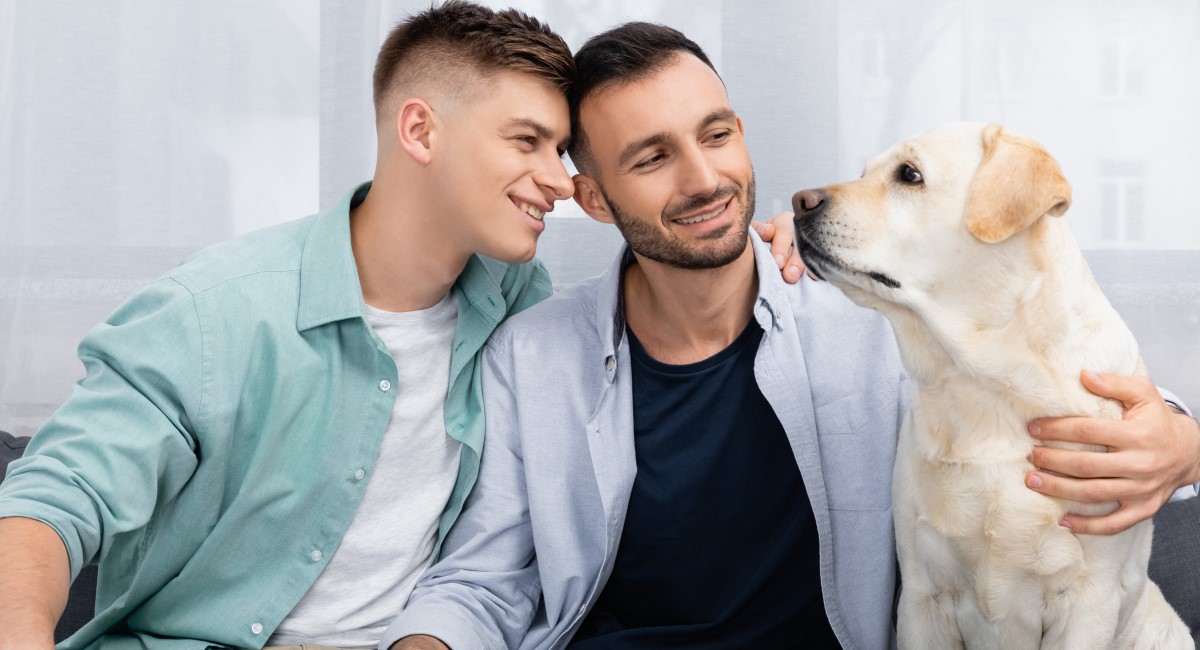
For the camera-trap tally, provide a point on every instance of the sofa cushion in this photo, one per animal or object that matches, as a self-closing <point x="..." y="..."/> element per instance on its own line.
<point x="1175" y="559"/>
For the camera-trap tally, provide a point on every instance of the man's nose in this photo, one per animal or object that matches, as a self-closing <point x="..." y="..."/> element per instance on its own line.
<point x="557" y="180"/>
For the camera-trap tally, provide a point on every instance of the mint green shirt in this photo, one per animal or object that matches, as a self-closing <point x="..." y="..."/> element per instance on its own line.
<point x="215" y="453"/>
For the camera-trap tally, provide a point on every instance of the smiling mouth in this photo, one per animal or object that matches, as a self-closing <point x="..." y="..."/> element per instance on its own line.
<point x="531" y="210"/>
<point x="706" y="216"/>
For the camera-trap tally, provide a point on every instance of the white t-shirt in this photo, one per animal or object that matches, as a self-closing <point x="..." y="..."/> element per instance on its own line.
<point x="391" y="538"/>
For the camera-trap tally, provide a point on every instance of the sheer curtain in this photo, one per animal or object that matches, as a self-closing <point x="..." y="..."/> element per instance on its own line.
<point x="135" y="132"/>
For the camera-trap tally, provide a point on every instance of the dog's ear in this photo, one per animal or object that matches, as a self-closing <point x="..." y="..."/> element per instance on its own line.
<point x="1016" y="184"/>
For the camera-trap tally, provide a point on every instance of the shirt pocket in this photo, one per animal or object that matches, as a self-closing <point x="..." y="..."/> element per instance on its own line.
<point x="857" y="437"/>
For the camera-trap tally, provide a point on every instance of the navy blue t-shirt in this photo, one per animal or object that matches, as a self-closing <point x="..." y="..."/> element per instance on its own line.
<point x="719" y="548"/>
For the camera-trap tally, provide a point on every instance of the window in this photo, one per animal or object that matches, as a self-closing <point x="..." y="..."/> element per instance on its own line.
<point x="1122" y="202"/>
<point x="1121" y="69"/>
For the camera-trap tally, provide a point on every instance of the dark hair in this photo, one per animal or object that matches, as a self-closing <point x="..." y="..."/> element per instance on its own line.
<point x="430" y="44"/>
<point x="621" y="55"/>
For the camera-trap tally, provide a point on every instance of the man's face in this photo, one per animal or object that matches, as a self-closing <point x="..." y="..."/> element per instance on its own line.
<point x="500" y="165"/>
<point x="672" y="165"/>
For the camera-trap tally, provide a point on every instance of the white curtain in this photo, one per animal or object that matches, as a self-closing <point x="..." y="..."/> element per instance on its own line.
<point x="135" y="132"/>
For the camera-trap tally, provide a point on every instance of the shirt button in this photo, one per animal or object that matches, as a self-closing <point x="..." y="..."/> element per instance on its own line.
<point x="359" y="474"/>
<point x="385" y="385"/>
<point x="779" y="314"/>
<point x="610" y="363"/>
<point x="315" y="556"/>
<point x="256" y="628"/>
<point x="583" y="608"/>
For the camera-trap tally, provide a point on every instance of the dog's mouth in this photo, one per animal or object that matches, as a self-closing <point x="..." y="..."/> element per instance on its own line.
<point x="819" y="262"/>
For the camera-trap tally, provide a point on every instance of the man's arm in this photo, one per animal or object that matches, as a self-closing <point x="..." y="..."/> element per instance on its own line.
<point x="103" y="460"/>
<point x="485" y="589"/>
<point x="1153" y="451"/>
<point x="34" y="579"/>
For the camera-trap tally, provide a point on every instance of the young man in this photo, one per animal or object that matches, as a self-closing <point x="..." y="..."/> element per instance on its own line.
<point x="703" y="457"/>
<point x="306" y="389"/>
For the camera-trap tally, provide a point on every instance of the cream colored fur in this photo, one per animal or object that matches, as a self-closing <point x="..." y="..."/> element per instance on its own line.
<point x="996" y="314"/>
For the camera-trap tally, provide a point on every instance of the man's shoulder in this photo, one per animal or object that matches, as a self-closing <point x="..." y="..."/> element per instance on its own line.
<point x="273" y="249"/>
<point x="819" y="302"/>
<point x="571" y="309"/>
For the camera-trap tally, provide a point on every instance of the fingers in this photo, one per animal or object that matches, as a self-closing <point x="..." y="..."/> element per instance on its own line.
<point x="794" y="266"/>
<point x="782" y="237"/>
<point x="1130" y="390"/>
<point x="1083" y="490"/>
<point x="766" y="232"/>
<point x="1087" y="464"/>
<point x="1118" y="521"/>
<point x="1133" y="509"/>
<point x="1091" y="431"/>
<point x="784" y="246"/>
<point x="1138" y="500"/>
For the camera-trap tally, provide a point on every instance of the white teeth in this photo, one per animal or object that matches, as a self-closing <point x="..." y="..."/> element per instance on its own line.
<point x="703" y="217"/>
<point x="532" y="211"/>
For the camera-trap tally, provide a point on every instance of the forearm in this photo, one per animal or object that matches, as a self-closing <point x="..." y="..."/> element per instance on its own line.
<point x="34" y="579"/>
<point x="419" y="642"/>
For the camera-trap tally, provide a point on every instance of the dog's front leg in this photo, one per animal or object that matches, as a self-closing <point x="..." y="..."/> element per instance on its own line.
<point x="928" y="613"/>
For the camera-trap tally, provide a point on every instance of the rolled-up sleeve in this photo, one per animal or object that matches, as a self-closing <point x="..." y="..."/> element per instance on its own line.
<point x="124" y="441"/>
<point x="484" y="591"/>
<point x="1187" y="491"/>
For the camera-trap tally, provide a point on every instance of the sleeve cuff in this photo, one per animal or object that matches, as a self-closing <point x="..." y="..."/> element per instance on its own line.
<point x="451" y="629"/>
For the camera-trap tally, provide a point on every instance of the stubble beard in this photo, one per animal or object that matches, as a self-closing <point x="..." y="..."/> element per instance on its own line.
<point x="652" y="243"/>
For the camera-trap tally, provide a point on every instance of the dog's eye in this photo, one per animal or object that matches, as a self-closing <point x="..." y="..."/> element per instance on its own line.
<point x="909" y="174"/>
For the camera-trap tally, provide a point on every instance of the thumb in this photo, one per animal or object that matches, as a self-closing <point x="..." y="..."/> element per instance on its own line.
<point x="1128" y="390"/>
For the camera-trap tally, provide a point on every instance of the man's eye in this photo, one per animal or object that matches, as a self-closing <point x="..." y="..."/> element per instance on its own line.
<point x="649" y="161"/>
<point x="527" y="139"/>
<point x="719" y="137"/>
<point x="909" y="174"/>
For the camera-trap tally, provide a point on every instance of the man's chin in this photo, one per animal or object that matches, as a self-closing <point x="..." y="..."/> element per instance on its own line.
<point x="513" y="253"/>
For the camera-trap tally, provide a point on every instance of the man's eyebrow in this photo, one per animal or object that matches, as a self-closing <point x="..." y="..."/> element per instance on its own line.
<point x="718" y="115"/>
<point x="540" y="129"/>
<point x="659" y="138"/>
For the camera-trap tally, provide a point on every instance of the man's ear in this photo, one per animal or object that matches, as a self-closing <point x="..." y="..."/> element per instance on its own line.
<point x="415" y="130"/>
<point x="591" y="199"/>
<point x="1016" y="184"/>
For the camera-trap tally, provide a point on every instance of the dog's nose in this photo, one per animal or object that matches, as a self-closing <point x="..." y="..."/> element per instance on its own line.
<point x="806" y="203"/>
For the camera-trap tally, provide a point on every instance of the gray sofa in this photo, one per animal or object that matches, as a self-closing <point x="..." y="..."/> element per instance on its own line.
<point x="1174" y="562"/>
<point x="1175" y="559"/>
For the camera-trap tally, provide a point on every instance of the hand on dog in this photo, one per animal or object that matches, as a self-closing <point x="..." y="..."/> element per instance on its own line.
<point x="1152" y="452"/>
<point x="781" y="234"/>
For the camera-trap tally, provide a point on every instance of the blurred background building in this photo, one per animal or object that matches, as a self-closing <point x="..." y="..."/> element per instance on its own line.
<point x="134" y="132"/>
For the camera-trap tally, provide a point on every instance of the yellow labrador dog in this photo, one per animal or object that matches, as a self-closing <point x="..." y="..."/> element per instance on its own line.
<point x="955" y="237"/>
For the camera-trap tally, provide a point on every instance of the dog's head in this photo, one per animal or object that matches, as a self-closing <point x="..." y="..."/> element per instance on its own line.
<point x="944" y="218"/>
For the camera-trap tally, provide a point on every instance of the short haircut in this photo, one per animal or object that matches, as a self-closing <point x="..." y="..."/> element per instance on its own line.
<point x="619" y="56"/>
<point x="429" y="47"/>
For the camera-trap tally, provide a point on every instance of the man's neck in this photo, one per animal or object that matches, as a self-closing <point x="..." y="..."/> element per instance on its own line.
<point x="684" y="316"/>
<point x="405" y="262"/>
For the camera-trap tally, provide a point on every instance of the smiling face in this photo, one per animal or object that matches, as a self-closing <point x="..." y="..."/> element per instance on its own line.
<point x="670" y="166"/>
<point x="499" y="166"/>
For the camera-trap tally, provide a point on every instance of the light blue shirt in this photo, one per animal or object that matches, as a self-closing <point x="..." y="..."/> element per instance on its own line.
<point x="538" y="537"/>
<point x="214" y="455"/>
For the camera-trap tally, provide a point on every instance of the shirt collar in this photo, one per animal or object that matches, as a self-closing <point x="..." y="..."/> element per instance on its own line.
<point x="329" y="285"/>
<point x="610" y="312"/>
